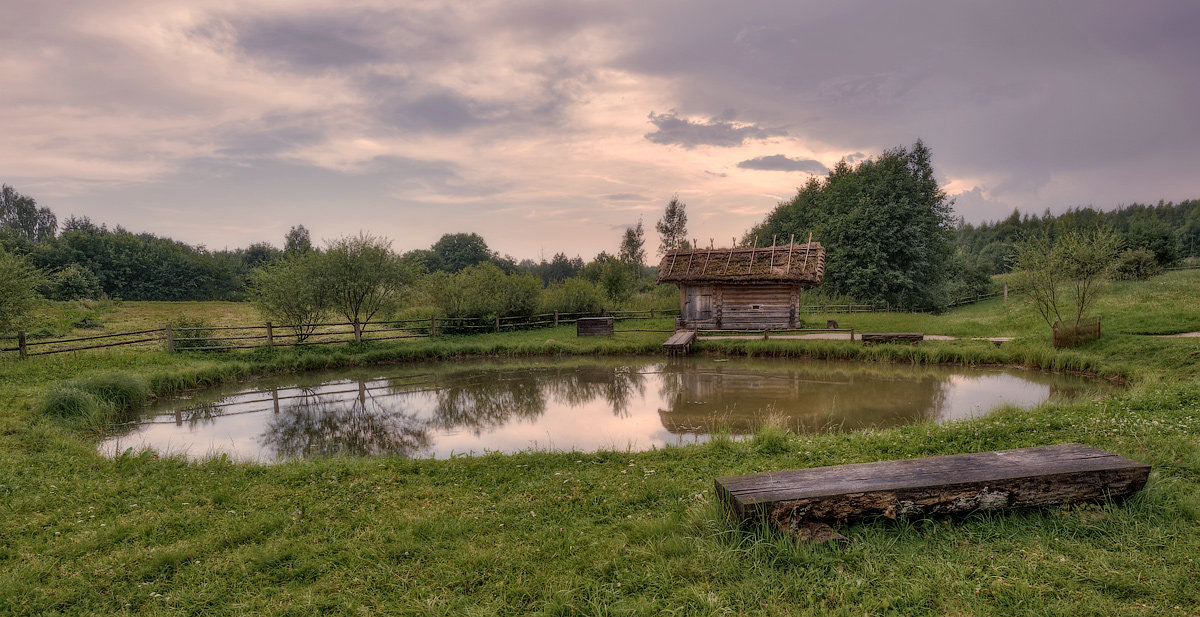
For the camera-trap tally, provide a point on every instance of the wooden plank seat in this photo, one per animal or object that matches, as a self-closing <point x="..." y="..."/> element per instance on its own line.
<point x="871" y="338"/>
<point x="1044" y="475"/>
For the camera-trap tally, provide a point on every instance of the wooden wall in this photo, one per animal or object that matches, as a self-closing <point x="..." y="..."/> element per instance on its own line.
<point x="739" y="307"/>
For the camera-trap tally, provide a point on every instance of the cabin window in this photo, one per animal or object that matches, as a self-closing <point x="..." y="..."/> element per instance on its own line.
<point x="756" y="307"/>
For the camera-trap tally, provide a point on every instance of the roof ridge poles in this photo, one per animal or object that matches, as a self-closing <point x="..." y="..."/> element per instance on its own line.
<point x="753" y="250"/>
<point x="791" y="247"/>
<point x="807" y="248"/>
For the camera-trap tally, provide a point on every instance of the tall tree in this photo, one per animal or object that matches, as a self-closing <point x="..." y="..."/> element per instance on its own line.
<point x="454" y="252"/>
<point x="886" y="225"/>
<point x="297" y="240"/>
<point x="20" y="215"/>
<point x="672" y="227"/>
<point x="362" y="278"/>
<point x="18" y="290"/>
<point x="633" y="246"/>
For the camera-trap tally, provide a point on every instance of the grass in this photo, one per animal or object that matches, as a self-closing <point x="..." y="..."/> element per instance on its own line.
<point x="605" y="533"/>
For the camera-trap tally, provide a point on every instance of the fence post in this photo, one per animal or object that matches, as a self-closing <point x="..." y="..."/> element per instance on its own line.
<point x="497" y="323"/>
<point x="555" y="319"/>
<point x="357" y="332"/>
<point x="852" y="334"/>
<point x="651" y="313"/>
<point x="766" y="333"/>
<point x="169" y="337"/>
<point x="433" y="325"/>
<point x="21" y="344"/>
<point x="270" y="337"/>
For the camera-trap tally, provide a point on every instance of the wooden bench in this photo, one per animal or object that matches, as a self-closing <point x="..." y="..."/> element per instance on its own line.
<point x="871" y="338"/>
<point x="594" y="326"/>
<point x="1063" y="473"/>
<point x="680" y="343"/>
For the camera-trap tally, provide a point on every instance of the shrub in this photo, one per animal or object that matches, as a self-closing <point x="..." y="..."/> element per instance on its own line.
<point x="483" y="291"/>
<point x="73" y="282"/>
<point x="1137" y="265"/>
<point x="573" y="296"/>
<point x="195" y="331"/>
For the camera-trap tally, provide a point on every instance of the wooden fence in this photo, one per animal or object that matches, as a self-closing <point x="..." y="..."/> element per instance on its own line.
<point x="268" y="335"/>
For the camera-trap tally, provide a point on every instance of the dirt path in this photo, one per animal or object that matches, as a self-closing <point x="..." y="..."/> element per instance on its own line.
<point x="844" y="336"/>
<point x="1182" y="335"/>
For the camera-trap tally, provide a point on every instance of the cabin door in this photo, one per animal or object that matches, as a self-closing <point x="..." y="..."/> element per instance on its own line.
<point x="699" y="305"/>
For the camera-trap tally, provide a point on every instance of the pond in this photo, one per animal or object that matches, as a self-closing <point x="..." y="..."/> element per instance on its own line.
<point x="445" y="409"/>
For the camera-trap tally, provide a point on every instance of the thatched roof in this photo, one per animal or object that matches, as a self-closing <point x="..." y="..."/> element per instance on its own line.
<point x="802" y="264"/>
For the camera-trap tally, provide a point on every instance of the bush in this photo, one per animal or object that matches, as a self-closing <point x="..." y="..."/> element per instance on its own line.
<point x="573" y="296"/>
<point x="73" y="282"/>
<point x="198" y="332"/>
<point x="483" y="291"/>
<point x="1137" y="265"/>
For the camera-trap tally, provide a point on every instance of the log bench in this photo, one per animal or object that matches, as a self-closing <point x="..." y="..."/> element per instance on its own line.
<point x="871" y="338"/>
<point x="800" y="500"/>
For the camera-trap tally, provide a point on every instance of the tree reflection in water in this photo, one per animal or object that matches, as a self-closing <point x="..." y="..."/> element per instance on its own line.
<point x="570" y="402"/>
<point x="361" y="425"/>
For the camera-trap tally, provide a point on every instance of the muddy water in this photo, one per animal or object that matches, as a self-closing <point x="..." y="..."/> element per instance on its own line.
<point x="446" y="409"/>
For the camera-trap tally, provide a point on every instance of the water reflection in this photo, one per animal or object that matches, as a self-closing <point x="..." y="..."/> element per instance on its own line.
<point x="579" y="403"/>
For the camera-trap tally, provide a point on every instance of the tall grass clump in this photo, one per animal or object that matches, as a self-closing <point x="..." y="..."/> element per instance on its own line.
<point x="124" y="391"/>
<point x="771" y="437"/>
<point x="96" y="401"/>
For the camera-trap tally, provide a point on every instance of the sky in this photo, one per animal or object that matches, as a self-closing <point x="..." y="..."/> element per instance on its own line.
<point x="551" y="126"/>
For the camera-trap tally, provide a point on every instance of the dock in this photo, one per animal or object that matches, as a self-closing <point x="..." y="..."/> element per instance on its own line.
<point x="960" y="483"/>
<point x="680" y="343"/>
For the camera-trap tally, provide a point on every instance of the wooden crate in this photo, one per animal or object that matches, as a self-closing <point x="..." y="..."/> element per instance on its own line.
<point x="594" y="326"/>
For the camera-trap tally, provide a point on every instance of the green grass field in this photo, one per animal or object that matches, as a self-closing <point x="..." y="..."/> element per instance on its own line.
<point x="606" y="533"/>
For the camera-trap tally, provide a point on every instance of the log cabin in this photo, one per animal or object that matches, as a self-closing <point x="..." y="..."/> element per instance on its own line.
<point x="749" y="288"/>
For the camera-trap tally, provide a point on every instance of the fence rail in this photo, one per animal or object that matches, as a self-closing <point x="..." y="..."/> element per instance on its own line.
<point x="267" y="335"/>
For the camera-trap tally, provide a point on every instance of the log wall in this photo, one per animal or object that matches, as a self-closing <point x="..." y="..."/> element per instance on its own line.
<point x="740" y="307"/>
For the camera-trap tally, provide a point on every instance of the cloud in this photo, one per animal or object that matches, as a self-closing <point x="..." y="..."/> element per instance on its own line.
<point x="673" y="130"/>
<point x="779" y="162"/>
<point x="425" y="117"/>
<point x="626" y="197"/>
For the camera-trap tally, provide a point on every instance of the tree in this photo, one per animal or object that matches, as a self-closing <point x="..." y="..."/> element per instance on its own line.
<point x="633" y="246"/>
<point x="20" y="215"/>
<point x="361" y="277"/>
<point x="73" y="282"/>
<point x="672" y="226"/>
<point x="886" y="225"/>
<point x="297" y="240"/>
<point x="18" y="290"/>
<point x="454" y="252"/>
<point x="1063" y="275"/>
<point x="288" y="291"/>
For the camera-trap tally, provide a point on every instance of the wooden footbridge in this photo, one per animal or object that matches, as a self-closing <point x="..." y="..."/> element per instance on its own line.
<point x="680" y="343"/>
<point x="1063" y="473"/>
